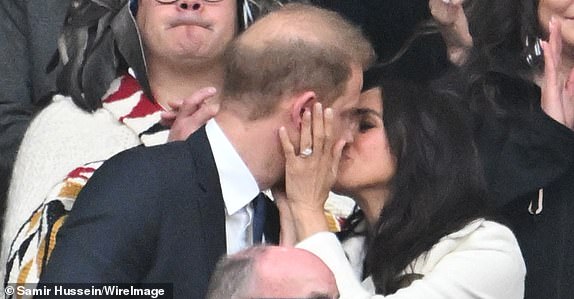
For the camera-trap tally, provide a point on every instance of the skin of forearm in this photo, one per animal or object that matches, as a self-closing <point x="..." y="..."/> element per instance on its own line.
<point x="308" y="221"/>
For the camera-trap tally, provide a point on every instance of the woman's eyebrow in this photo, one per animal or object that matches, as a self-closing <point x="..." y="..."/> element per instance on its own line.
<point x="367" y="111"/>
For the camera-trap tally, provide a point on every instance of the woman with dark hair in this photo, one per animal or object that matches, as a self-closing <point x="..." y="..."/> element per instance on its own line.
<point x="521" y="92"/>
<point x="422" y="228"/>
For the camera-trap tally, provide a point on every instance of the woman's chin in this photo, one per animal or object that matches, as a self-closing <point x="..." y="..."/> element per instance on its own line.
<point x="341" y="189"/>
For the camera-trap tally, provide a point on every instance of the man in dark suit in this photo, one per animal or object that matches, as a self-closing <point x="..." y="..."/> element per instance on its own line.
<point x="167" y="213"/>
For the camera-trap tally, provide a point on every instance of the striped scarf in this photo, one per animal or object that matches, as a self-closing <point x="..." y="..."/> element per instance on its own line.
<point x="31" y="249"/>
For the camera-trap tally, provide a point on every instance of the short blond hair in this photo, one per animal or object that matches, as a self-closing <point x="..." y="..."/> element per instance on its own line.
<point x="296" y="48"/>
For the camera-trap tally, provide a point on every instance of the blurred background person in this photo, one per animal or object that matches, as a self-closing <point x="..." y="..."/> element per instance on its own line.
<point x="521" y="93"/>
<point x="272" y="272"/>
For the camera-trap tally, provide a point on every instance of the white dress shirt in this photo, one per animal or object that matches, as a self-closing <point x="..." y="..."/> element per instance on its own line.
<point x="238" y="187"/>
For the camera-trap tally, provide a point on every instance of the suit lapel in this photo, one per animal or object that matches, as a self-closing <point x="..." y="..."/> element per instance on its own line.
<point x="212" y="206"/>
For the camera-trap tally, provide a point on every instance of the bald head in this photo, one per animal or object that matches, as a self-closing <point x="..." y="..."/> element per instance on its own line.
<point x="283" y="272"/>
<point x="313" y="25"/>
<point x="294" y="49"/>
<point x="273" y="272"/>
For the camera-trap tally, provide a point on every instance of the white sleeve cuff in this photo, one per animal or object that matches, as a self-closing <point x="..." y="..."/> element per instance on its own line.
<point x="327" y="247"/>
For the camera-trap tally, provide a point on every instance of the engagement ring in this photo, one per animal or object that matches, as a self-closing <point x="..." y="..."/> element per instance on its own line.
<point x="306" y="152"/>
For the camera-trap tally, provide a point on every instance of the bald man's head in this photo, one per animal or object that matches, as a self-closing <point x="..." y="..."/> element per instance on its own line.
<point x="294" y="49"/>
<point x="282" y="272"/>
<point x="321" y="27"/>
<point x="272" y="272"/>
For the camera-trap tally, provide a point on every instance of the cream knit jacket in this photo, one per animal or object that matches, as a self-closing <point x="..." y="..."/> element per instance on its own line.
<point x="60" y="138"/>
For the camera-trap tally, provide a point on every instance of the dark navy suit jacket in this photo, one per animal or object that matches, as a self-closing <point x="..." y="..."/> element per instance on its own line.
<point x="151" y="214"/>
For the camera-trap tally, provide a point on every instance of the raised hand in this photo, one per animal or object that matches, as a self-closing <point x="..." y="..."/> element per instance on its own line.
<point x="557" y="87"/>
<point x="190" y="114"/>
<point x="446" y="12"/>
<point x="453" y="25"/>
<point x="311" y="170"/>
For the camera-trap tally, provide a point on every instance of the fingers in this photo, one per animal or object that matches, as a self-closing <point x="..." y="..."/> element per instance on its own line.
<point x="184" y="125"/>
<point x="445" y="12"/>
<point x="555" y="39"/>
<point x="553" y="85"/>
<point x="195" y="101"/>
<point x="316" y="135"/>
<point x="192" y="113"/>
<point x="550" y="101"/>
<point x="550" y="71"/>
<point x="322" y="131"/>
<point x="554" y="44"/>
<point x="286" y="144"/>
<point x="552" y="56"/>
<point x="188" y="106"/>
<point x="306" y="139"/>
<point x="167" y="118"/>
<point x="202" y="115"/>
<point x="334" y="149"/>
<point x="308" y="179"/>
<point x="328" y="127"/>
<point x="174" y="105"/>
<point x="318" y="127"/>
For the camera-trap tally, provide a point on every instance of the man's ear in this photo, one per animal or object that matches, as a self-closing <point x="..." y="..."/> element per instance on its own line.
<point x="303" y="101"/>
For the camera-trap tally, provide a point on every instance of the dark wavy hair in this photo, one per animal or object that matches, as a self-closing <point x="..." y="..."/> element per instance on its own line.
<point x="500" y="30"/>
<point x="438" y="187"/>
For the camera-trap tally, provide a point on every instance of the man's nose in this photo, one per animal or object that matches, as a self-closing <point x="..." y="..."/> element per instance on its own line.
<point x="190" y="5"/>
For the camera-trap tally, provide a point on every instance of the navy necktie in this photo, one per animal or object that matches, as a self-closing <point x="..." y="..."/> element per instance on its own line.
<point x="259" y="216"/>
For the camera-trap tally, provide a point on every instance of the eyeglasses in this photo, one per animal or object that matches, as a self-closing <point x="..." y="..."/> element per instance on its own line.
<point x="173" y="1"/>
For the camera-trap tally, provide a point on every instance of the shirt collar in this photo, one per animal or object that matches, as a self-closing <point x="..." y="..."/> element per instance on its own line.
<point x="238" y="186"/>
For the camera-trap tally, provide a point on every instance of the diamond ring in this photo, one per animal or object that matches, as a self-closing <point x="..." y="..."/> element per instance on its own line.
<point x="306" y="152"/>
